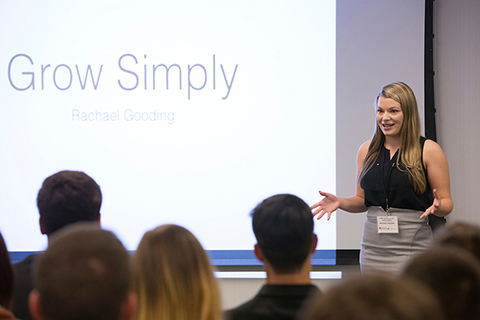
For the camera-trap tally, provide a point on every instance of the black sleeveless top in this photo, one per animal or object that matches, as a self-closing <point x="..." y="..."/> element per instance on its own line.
<point x="386" y="186"/>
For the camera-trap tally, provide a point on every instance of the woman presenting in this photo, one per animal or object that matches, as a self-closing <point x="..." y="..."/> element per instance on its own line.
<point x="401" y="179"/>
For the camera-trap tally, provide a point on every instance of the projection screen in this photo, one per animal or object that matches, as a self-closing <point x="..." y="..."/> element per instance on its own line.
<point x="192" y="112"/>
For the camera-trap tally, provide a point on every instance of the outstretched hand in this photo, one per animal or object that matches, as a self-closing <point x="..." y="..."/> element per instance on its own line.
<point x="436" y="203"/>
<point x="327" y="205"/>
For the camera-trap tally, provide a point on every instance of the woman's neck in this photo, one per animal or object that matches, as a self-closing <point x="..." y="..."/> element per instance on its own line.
<point x="392" y="143"/>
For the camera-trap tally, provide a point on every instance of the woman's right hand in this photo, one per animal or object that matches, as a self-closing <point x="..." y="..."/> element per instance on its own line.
<point x="328" y="205"/>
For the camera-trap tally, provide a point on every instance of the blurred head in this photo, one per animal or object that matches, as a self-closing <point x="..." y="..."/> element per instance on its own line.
<point x="174" y="278"/>
<point x="454" y="276"/>
<point x="283" y="226"/>
<point x="401" y="93"/>
<point x="68" y="197"/>
<point x="6" y="276"/>
<point x="460" y="235"/>
<point x="84" y="274"/>
<point x="375" y="297"/>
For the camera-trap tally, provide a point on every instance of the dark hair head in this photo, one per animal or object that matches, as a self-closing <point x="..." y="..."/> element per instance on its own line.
<point x="68" y="197"/>
<point x="460" y="235"/>
<point x="6" y="276"/>
<point x="84" y="274"/>
<point x="283" y="226"/>
<point x="454" y="276"/>
<point x="375" y="297"/>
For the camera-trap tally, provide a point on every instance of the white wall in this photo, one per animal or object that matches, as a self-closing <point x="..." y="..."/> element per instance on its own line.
<point x="457" y="85"/>
<point x="378" y="41"/>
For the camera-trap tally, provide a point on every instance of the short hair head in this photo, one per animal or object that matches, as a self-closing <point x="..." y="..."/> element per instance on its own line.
<point x="6" y="276"/>
<point x="454" y="276"/>
<point x="460" y="235"/>
<point x="283" y="226"/>
<point x="84" y="274"/>
<point x="68" y="197"/>
<point x="374" y="297"/>
<point x="171" y="267"/>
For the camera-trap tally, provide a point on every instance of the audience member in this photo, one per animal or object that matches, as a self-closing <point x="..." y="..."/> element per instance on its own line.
<point x="6" y="282"/>
<point x="460" y="235"/>
<point x="283" y="227"/>
<point x="454" y="276"/>
<point x="375" y="297"/>
<point x="85" y="274"/>
<point x="174" y="279"/>
<point x="64" y="198"/>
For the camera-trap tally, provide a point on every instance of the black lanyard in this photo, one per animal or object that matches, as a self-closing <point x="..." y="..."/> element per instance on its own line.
<point x="386" y="186"/>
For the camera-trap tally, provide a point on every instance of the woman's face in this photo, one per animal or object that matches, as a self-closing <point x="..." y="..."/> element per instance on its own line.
<point x="389" y="116"/>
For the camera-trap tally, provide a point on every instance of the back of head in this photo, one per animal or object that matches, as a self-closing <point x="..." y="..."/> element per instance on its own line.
<point x="68" y="197"/>
<point x="375" y="297"/>
<point x="174" y="278"/>
<point x="454" y="276"/>
<point x="6" y="276"/>
<point x="84" y="274"/>
<point x="283" y="226"/>
<point x="460" y="235"/>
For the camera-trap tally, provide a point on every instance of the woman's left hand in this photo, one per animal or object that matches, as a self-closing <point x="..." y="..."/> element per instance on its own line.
<point x="436" y="203"/>
<point x="438" y="177"/>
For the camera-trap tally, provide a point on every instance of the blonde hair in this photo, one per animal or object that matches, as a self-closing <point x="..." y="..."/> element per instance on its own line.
<point x="410" y="152"/>
<point x="174" y="279"/>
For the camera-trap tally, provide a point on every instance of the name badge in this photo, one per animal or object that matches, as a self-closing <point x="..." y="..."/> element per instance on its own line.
<point x="387" y="224"/>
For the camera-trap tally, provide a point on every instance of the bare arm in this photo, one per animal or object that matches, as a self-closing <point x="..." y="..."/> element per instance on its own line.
<point x="353" y="204"/>
<point x="439" y="179"/>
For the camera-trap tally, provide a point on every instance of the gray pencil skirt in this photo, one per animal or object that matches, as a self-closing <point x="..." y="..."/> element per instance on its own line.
<point x="390" y="252"/>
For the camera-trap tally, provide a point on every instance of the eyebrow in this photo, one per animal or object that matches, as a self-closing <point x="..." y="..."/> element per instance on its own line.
<point x="394" y="107"/>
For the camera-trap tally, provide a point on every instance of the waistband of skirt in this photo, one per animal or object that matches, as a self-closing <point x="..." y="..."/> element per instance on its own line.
<point x="379" y="211"/>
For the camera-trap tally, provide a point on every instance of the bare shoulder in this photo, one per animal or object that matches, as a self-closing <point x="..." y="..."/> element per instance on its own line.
<point x="364" y="147"/>
<point x="431" y="148"/>
<point x="362" y="151"/>
<point x="432" y="152"/>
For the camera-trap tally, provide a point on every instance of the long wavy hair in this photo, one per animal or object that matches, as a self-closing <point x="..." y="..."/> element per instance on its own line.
<point x="174" y="278"/>
<point x="410" y="152"/>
